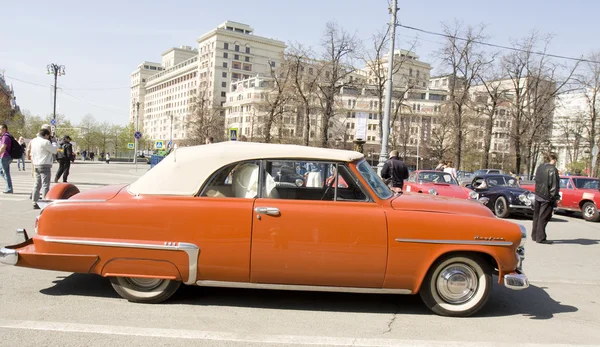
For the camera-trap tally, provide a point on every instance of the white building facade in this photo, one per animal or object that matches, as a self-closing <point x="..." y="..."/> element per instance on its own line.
<point x="226" y="54"/>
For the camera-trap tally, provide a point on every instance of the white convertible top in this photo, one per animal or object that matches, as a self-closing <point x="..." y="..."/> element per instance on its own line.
<point x="184" y="171"/>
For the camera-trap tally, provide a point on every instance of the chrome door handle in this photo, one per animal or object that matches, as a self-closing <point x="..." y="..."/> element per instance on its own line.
<point x="271" y="211"/>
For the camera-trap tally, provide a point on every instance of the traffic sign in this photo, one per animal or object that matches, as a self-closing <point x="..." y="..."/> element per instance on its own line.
<point x="53" y="121"/>
<point x="137" y="135"/>
<point x="233" y="134"/>
<point x="160" y="144"/>
<point x="130" y="145"/>
<point x="53" y="129"/>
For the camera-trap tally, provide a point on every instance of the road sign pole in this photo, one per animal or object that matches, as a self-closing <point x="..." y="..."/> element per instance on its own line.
<point x="135" y="148"/>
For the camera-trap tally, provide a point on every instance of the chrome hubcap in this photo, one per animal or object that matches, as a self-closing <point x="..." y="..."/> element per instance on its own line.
<point x="589" y="211"/>
<point x="145" y="284"/>
<point x="457" y="283"/>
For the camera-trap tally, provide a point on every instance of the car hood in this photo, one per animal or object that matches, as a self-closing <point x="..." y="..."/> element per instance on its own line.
<point x="439" y="204"/>
<point x="515" y="191"/>
<point x="444" y="189"/>
<point x="102" y="193"/>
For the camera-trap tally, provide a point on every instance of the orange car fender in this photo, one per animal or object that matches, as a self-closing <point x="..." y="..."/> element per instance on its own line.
<point x="445" y="251"/>
<point x="62" y="191"/>
<point x="134" y="267"/>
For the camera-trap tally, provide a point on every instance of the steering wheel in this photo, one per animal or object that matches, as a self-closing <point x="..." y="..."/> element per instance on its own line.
<point x="329" y="186"/>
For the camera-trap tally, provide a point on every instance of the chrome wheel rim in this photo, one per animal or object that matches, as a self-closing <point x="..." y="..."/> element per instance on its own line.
<point x="589" y="211"/>
<point x="145" y="284"/>
<point x="499" y="207"/>
<point x="457" y="283"/>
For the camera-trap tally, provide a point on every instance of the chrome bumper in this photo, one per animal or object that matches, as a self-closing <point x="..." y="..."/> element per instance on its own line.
<point x="524" y="207"/>
<point x="8" y="256"/>
<point x="516" y="281"/>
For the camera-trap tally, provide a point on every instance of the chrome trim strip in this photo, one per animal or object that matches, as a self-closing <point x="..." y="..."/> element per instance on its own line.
<point x="45" y="203"/>
<point x="530" y="207"/>
<point x="248" y="285"/>
<point x="458" y="242"/>
<point x="191" y="249"/>
<point x="8" y="256"/>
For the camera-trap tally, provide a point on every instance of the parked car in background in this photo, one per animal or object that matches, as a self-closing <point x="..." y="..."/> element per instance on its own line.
<point x="437" y="183"/>
<point x="465" y="177"/>
<point x="481" y="172"/>
<point x="578" y="194"/>
<point x="214" y="216"/>
<point x="503" y="195"/>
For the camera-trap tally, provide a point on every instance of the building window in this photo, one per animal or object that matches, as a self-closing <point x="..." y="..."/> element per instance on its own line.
<point x="237" y="48"/>
<point x="236" y="65"/>
<point x="226" y="45"/>
<point x="247" y="50"/>
<point x="272" y="63"/>
<point x="223" y="94"/>
<point x="224" y="84"/>
<point x="224" y="64"/>
<point x="225" y="55"/>
<point x="236" y="56"/>
<point x="224" y="75"/>
<point x="247" y="58"/>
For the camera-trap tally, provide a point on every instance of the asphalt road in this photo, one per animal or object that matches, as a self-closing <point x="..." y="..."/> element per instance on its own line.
<point x="47" y="308"/>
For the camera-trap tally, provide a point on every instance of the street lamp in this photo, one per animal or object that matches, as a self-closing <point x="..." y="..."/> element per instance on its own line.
<point x="56" y="70"/>
<point x="137" y="125"/>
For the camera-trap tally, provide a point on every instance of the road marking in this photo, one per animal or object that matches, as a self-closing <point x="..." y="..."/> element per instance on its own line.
<point x="250" y="338"/>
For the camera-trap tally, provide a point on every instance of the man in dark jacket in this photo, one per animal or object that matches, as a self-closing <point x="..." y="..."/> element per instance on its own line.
<point x="394" y="170"/>
<point x="65" y="156"/>
<point x="547" y="188"/>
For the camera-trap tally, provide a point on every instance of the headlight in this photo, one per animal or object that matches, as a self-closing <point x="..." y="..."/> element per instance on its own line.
<point x="473" y="195"/>
<point x="433" y="191"/>
<point x="523" y="235"/>
<point x="299" y="182"/>
<point x="525" y="199"/>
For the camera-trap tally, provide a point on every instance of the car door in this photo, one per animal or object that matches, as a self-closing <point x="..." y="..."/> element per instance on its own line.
<point x="568" y="193"/>
<point x="322" y="233"/>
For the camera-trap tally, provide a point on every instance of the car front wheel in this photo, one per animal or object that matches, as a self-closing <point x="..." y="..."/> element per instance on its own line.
<point x="501" y="208"/>
<point x="590" y="212"/>
<point x="144" y="290"/>
<point x="457" y="286"/>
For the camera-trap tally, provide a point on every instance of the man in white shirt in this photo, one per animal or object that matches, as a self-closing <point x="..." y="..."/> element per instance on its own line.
<point x="42" y="151"/>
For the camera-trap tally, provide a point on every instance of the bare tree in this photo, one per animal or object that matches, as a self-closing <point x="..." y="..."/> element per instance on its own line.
<point x="464" y="60"/>
<point x="589" y="82"/>
<point x="274" y="100"/>
<point x="206" y="118"/>
<point x="441" y="134"/>
<point x="304" y="76"/>
<point x="534" y="86"/>
<point x="337" y="66"/>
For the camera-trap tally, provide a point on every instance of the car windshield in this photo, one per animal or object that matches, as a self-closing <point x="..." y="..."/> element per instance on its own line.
<point x="503" y="181"/>
<point x="586" y="183"/>
<point x="436" y="177"/>
<point x="374" y="181"/>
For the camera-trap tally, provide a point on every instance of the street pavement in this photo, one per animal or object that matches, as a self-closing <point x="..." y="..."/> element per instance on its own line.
<point x="48" y="308"/>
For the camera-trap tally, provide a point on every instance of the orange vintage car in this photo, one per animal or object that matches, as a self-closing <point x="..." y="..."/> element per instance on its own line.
<point x="213" y="215"/>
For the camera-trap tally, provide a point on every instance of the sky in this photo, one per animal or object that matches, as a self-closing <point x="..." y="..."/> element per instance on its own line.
<point x="100" y="43"/>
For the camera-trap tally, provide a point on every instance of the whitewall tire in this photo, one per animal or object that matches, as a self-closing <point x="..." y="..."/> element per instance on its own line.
<point x="457" y="285"/>
<point x="144" y="290"/>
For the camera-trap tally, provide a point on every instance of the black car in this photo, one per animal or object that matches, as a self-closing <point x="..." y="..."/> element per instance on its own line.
<point x="286" y="174"/>
<point x="502" y="194"/>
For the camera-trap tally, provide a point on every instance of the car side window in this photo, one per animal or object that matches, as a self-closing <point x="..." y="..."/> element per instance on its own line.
<point x="301" y="180"/>
<point x="238" y="180"/>
<point x="565" y="183"/>
<point x="412" y="178"/>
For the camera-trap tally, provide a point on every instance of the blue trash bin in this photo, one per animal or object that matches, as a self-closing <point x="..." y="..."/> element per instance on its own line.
<point x="155" y="159"/>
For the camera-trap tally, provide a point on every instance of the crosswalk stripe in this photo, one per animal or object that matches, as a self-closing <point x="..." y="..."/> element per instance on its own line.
<point x="23" y="185"/>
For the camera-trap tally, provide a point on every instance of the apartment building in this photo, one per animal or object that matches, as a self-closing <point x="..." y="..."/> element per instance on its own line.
<point x="226" y="54"/>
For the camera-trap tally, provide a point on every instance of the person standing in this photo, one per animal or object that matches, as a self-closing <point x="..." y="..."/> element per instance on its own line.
<point x="451" y="170"/>
<point x="395" y="171"/>
<point x="42" y="152"/>
<point x="5" y="148"/>
<point x="547" y="189"/>
<point x="23" y="150"/>
<point x="107" y="157"/>
<point x="65" y="156"/>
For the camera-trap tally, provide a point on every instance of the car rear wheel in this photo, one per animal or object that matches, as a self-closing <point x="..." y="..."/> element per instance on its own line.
<point x="457" y="286"/>
<point x="590" y="212"/>
<point x="501" y="208"/>
<point x="144" y="290"/>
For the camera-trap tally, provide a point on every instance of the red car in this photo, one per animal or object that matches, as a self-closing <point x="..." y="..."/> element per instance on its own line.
<point x="437" y="183"/>
<point x="579" y="194"/>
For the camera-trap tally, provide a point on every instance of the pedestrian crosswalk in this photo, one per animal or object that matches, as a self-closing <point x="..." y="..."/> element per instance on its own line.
<point x="23" y="185"/>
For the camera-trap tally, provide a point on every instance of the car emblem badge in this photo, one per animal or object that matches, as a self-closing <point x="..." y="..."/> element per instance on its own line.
<point x="482" y="238"/>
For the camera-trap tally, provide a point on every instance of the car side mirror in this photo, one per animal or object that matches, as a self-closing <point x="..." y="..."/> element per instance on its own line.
<point x="469" y="185"/>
